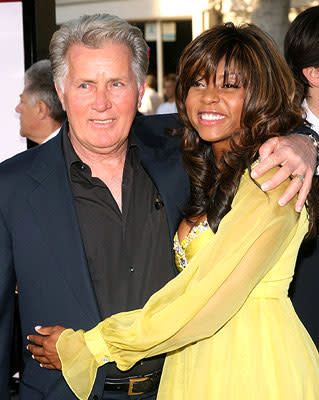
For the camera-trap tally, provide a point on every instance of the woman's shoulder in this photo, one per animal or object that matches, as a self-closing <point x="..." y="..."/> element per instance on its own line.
<point x="252" y="205"/>
<point x="256" y="184"/>
<point x="250" y="189"/>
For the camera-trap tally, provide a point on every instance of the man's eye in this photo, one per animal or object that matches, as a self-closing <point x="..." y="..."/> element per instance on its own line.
<point x="84" y="86"/>
<point x="117" y="84"/>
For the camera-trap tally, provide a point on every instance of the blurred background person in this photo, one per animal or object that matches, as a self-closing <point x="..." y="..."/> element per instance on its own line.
<point x="302" y="54"/>
<point x="169" y="106"/>
<point x="41" y="117"/>
<point x="301" y="47"/>
<point x="41" y="113"/>
<point x="151" y="99"/>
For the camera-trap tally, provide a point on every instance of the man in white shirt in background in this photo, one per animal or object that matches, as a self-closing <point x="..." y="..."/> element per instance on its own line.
<point x="302" y="55"/>
<point x="169" y="106"/>
<point x="312" y="117"/>
<point x="41" y="113"/>
<point x="151" y="99"/>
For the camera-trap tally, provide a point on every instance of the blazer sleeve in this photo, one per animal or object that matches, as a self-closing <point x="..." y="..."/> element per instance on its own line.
<point x="7" y="288"/>
<point x="199" y="301"/>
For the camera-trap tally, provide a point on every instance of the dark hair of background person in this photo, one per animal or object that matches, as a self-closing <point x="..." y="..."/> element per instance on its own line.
<point x="301" y="46"/>
<point x="170" y="78"/>
<point x="39" y="85"/>
<point x="151" y="81"/>
<point x="270" y="106"/>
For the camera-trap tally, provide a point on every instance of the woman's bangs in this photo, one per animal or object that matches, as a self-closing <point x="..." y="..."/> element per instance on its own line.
<point x="205" y="67"/>
<point x="236" y="65"/>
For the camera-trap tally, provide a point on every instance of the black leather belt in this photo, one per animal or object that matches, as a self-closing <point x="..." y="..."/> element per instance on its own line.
<point x="134" y="385"/>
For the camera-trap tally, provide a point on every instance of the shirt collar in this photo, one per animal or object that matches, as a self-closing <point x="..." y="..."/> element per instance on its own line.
<point x="71" y="157"/>
<point x="311" y="118"/>
<point x="52" y="135"/>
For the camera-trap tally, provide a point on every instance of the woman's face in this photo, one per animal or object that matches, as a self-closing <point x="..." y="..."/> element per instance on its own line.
<point x="214" y="109"/>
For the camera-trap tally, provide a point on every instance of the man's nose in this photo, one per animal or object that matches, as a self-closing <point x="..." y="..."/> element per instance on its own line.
<point x="18" y="108"/>
<point x="102" y="100"/>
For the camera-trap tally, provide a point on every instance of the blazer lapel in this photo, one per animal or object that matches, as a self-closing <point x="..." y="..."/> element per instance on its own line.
<point x="53" y="206"/>
<point x="163" y="163"/>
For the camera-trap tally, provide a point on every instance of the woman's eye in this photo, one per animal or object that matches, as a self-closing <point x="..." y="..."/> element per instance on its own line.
<point x="198" y="84"/>
<point x="230" y="85"/>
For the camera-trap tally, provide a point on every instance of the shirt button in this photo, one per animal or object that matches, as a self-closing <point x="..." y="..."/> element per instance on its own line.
<point x="132" y="269"/>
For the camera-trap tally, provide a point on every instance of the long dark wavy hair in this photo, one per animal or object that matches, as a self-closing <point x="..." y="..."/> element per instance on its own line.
<point x="270" y="109"/>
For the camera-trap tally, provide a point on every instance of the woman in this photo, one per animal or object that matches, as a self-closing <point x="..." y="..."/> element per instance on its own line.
<point x="226" y="322"/>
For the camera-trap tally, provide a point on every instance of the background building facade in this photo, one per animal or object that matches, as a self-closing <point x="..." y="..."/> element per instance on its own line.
<point x="168" y="25"/>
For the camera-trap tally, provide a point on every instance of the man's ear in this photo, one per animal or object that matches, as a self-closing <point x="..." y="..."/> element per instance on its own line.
<point x="312" y="75"/>
<point x="60" y="94"/>
<point x="141" y="92"/>
<point x="43" y="109"/>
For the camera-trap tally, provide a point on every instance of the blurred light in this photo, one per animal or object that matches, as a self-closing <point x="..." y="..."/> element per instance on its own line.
<point x="226" y="6"/>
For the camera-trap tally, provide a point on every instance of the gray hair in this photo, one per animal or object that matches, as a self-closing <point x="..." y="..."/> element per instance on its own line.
<point x="39" y="86"/>
<point x="92" y="31"/>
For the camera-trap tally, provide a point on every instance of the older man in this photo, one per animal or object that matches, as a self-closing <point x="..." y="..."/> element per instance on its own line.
<point x="41" y="113"/>
<point x="86" y="220"/>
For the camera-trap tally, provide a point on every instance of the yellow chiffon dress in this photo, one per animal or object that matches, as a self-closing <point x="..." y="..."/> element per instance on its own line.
<point x="226" y="323"/>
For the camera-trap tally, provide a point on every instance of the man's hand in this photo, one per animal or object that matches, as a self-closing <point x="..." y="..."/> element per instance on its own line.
<point x="296" y="155"/>
<point x="44" y="347"/>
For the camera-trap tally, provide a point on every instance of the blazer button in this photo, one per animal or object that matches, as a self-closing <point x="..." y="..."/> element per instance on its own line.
<point x="95" y="397"/>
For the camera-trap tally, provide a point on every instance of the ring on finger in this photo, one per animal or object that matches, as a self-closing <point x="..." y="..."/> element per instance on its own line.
<point x="300" y="177"/>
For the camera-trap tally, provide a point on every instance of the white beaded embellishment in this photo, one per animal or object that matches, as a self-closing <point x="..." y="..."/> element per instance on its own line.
<point x="180" y="248"/>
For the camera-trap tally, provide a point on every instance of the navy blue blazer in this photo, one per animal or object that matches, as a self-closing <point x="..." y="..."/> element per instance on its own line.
<point x="41" y="246"/>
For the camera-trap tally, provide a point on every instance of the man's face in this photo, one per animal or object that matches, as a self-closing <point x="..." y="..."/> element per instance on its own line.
<point x="169" y="89"/>
<point x="28" y="116"/>
<point x="100" y="96"/>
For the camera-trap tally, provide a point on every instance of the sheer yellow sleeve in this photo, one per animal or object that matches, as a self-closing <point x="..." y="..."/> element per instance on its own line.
<point x="200" y="300"/>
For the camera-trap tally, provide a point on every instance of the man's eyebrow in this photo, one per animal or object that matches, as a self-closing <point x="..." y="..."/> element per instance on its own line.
<point x="85" y="80"/>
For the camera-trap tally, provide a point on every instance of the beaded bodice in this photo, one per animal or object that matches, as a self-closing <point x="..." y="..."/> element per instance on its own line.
<point x="193" y="241"/>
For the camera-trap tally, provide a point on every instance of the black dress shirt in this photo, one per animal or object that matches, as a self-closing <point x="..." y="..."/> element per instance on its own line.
<point x="128" y="252"/>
